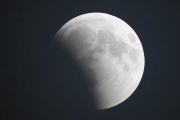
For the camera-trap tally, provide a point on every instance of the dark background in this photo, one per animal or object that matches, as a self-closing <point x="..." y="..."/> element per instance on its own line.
<point x="40" y="81"/>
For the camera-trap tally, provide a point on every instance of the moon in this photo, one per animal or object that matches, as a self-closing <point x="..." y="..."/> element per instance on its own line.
<point x="110" y="53"/>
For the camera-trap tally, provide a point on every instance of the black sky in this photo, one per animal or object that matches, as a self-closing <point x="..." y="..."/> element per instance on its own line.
<point x="32" y="70"/>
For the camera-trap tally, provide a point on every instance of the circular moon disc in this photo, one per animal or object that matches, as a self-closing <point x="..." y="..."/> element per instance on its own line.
<point x="109" y="52"/>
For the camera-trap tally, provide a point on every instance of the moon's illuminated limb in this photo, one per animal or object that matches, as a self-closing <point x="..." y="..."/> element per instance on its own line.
<point x="109" y="51"/>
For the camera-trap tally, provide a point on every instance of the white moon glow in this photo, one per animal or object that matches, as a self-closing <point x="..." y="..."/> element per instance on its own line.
<point x="110" y="53"/>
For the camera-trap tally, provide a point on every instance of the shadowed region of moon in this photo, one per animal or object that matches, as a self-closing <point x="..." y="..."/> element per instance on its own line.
<point x="108" y="51"/>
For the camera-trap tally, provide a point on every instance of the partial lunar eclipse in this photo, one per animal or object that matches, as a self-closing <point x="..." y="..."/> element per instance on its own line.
<point x="110" y="53"/>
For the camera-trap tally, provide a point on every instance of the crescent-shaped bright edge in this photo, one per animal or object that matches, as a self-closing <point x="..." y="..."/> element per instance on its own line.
<point x="110" y="53"/>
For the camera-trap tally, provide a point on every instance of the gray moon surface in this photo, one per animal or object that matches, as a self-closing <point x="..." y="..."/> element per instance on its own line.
<point x="110" y="53"/>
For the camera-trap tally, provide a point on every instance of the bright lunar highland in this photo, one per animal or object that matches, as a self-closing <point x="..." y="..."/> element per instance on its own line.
<point x="110" y="53"/>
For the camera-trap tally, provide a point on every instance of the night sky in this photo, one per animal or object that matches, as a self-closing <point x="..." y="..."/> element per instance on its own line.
<point x="40" y="81"/>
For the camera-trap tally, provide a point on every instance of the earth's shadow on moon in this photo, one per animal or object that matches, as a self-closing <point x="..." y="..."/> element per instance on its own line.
<point x="68" y="87"/>
<point x="71" y="84"/>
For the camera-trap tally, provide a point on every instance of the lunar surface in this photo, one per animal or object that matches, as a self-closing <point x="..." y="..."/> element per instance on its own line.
<point x="109" y="52"/>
